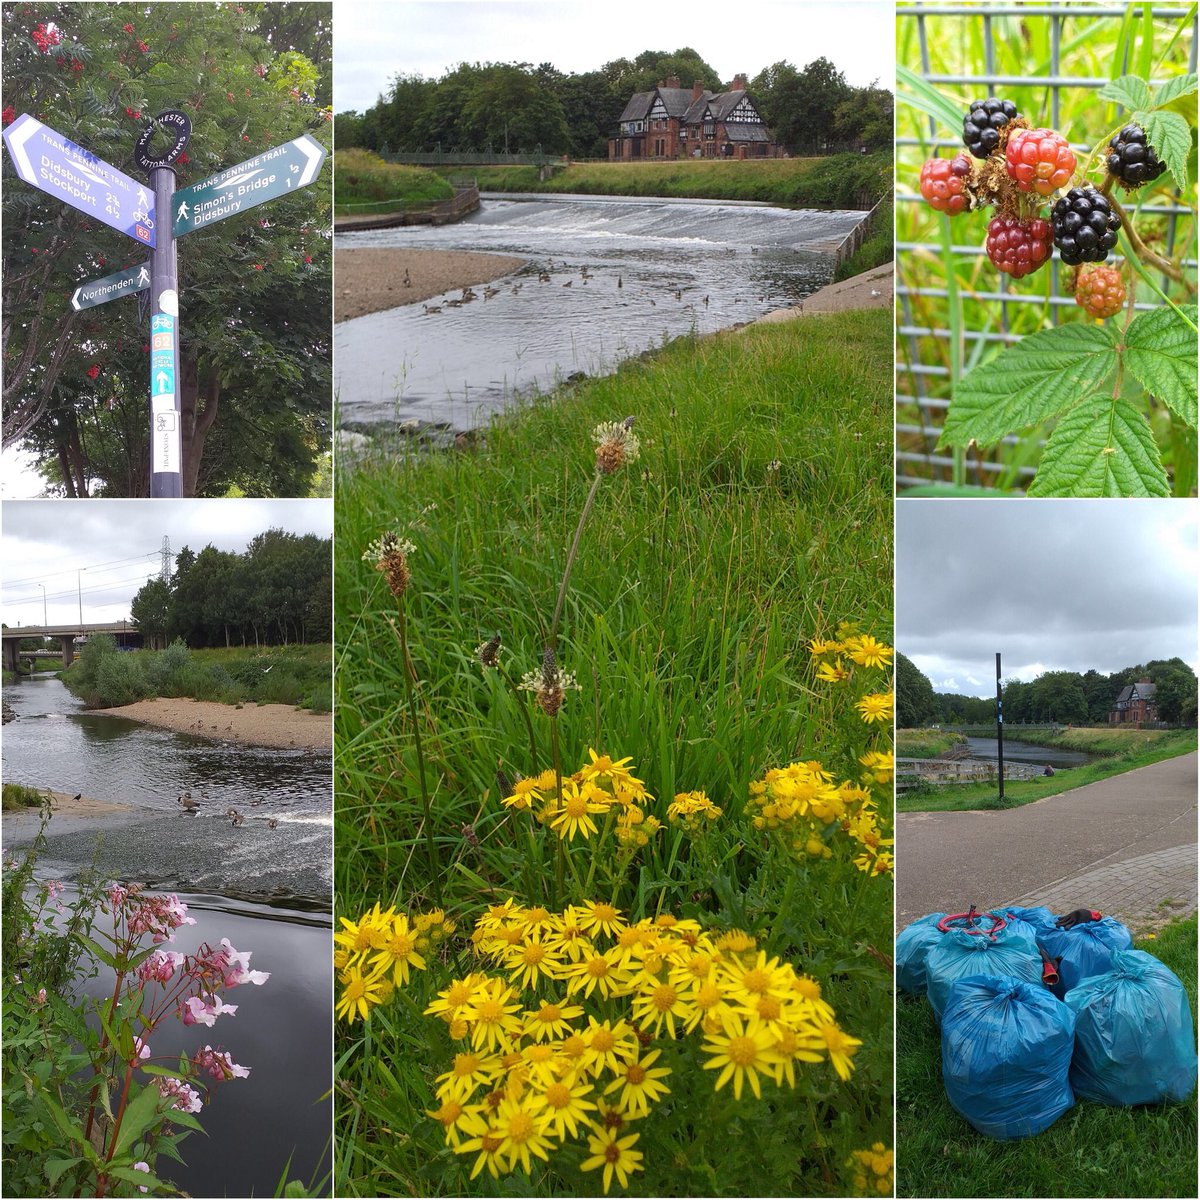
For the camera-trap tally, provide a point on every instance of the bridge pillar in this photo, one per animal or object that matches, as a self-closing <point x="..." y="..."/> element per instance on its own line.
<point x="12" y="654"/>
<point x="67" y="641"/>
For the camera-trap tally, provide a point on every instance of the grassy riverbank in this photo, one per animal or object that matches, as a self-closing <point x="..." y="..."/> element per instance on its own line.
<point x="363" y="182"/>
<point x="955" y="797"/>
<point x="840" y="181"/>
<point x="757" y="516"/>
<point x="878" y="248"/>
<point x="926" y="743"/>
<point x="1093" y="1150"/>
<point x="104" y="677"/>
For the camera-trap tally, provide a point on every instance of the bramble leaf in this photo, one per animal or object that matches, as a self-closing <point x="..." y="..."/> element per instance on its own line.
<point x="1102" y="447"/>
<point x="1160" y="353"/>
<point x="1181" y="85"/>
<point x="1171" y="136"/>
<point x="1043" y="375"/>
<point x="1130" y="91"/>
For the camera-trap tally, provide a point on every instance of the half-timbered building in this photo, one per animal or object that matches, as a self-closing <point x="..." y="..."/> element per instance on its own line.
<point x="677" y="122"/>
<point x="1136" y="705"/>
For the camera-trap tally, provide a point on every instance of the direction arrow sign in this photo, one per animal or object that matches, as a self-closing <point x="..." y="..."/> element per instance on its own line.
<point x="46" y="159"/>
<point x="111" y="287"/>
<point x="272" y="174"/>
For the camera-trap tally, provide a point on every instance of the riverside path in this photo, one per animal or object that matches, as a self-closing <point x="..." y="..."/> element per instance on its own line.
<point x="1125" y="845"/>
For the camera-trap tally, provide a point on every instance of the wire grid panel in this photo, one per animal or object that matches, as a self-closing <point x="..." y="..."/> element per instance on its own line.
<point x="969" y="51"/>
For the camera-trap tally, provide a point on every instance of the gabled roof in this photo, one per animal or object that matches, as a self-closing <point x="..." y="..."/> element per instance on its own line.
<point x="638" y="106"/>
<point x="746" y="133"/>
<point x="1144" y="690"/>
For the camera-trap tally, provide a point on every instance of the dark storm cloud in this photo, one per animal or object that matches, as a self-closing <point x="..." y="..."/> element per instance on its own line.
<point x="63" y="556"/>
<point x="1052" y="585"/>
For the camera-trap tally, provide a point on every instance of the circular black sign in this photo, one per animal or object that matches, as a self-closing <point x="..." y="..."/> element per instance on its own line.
<point x="178" y="125"/>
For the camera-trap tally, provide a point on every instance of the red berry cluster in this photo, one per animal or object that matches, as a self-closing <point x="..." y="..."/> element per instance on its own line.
<point x="9" y="115"/>
<point x="47" y="37"/>
<point x="1040" y="160"/>
<point x="1018" y="246"/>
<point x="943" y="184"/>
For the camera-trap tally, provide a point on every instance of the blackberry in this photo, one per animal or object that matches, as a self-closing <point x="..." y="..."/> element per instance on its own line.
<point x="944" y="184"/>
<point x="982" y="125"/>
<point x="1018" y="247"/>
<point x="1085" y="226"/>
<point x="1100" y="291"/>
<point x="1132" y="159"/>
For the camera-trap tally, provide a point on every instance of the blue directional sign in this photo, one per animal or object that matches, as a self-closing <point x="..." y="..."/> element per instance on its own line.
<point x="47" y="160"/>
<point x="267" y="176"/>
<point x="111" y="287"/>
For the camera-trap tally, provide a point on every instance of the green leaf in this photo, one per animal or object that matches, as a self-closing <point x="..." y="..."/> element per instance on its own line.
<point x="1181" y="85"/>
<point x="103" y="955"/>
<point x="1101" y="448"/>
<point x="1043" y="375"/>
<point x="1130" y="91"/>
<point x="1160" y="353"/>
<point x="918" y="94"/>
<point x="1171" y="136"/>
<point x="140" y="1113"/>
<point x="54" y="1168"/>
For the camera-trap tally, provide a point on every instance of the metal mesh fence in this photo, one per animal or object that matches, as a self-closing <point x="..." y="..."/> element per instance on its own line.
<point x="953" y="308"/>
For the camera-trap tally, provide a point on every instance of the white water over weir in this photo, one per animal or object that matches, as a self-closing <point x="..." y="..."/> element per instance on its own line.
<point x="625" y="275"/>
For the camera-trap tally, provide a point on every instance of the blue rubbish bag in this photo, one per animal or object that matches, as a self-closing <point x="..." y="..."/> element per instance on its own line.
<point x="1133" y="1034"/>
<point x="912" y="946"/>
<point x="1006" y="1055"/>
<point x="1012" y="954"/>
<point x="1084" y="950"/>
<point x="1034" y="919"/>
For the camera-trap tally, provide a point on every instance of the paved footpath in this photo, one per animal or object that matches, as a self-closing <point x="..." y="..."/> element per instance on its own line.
<point x="1125" y="845"/>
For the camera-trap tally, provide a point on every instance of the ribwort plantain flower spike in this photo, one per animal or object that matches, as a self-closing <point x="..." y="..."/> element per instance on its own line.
<point x="488" y="653"/>
<point x="389" y="553"/>
<point x="549" y="685"/>
<point x="616" y="445"/>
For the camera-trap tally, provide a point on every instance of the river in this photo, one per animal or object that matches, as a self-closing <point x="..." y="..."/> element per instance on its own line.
<point x="1018" y="751"/>
<point x="267" y="890"/>
<point x="625" y="275"/>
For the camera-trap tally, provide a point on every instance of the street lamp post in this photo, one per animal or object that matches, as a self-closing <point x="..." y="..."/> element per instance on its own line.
<point x="45" y="618"/>
<point x="79" y="589"/>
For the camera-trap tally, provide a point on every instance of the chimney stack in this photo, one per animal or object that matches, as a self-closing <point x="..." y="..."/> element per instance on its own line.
<point x="738" y="84"/>
<point x="697" y="90"/>
<point x="673" y="81"/>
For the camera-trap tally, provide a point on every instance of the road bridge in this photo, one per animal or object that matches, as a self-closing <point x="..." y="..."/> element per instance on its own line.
<point x="125" y="631"/>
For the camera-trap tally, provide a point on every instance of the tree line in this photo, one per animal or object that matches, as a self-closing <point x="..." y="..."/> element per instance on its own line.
<point x="276" y="593"/>
<point x="1055" y="697"/>
<point x="519" y="107"/>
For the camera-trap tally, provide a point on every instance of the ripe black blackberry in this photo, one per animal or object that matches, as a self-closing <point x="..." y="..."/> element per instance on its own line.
<point x="1132" y="159"/>
<point x="1085" y="226"/>
<point x="982" y="125"/>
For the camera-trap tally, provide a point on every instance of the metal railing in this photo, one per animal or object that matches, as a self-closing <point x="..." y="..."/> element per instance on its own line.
<point x="923" y="378"/>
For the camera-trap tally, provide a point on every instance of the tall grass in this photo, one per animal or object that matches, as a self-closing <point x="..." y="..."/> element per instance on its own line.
<point x="364" y="179"/>
<point x="757" y="517"/>
<point x="1092" y="1150"/>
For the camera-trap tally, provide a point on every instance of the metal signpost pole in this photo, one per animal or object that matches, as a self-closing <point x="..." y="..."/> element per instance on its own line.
<point x="166" y="445"/>
<point x="999" y="729"/>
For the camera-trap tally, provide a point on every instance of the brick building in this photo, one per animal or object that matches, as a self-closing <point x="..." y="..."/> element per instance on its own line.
<point x="677" y="122"/>
<point x="1135" y="705"/>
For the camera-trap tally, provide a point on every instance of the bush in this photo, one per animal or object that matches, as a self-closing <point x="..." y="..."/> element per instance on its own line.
<point x="165" y="671"/>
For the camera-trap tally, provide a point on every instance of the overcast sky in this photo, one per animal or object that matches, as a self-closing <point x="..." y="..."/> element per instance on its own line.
<point x="98" y="553"/>
<point x="1050" y="584"/>
<point x="375" y="41"/>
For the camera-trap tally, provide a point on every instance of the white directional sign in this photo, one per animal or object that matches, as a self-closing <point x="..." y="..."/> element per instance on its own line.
<point x="268" y="176"/>
<point x="47" y="160"/>
<point x="111" y="287"/>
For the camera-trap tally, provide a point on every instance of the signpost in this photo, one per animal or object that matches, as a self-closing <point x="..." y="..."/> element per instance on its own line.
<point x="47" y="160"/>
<point x="111" y="287"/>
<point x="267" y="176"/>
<point x="999" y="729"/>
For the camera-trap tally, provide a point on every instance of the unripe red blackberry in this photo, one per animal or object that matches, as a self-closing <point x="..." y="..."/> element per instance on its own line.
<point x="982" y="125"/>
<point x="943" y="183"/>
<point x="1018" y="247"/>
<point x="1085" y="226"/>
<point x="1100" y="291"/>
<point x="1132" y="159"/>
<point x="1040" y="160"/>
